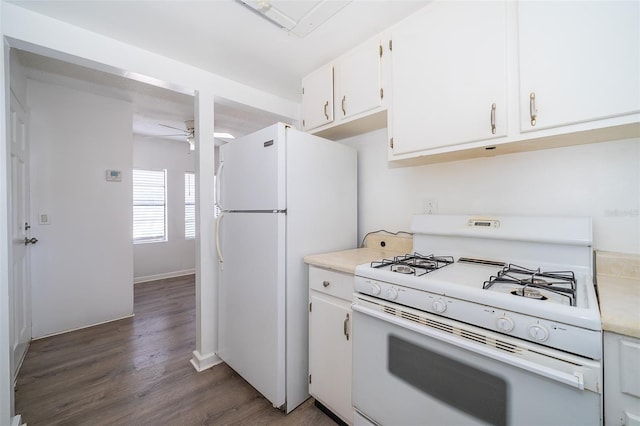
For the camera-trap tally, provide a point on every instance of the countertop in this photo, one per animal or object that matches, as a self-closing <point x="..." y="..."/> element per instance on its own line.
<point x="347" y="260"/>
<point x="618" y="280"/>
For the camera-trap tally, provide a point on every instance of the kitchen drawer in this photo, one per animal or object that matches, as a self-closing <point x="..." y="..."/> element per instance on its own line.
<point x="336" y="284"/>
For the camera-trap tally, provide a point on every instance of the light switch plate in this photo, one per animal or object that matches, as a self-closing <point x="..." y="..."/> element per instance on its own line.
<point x="43" y="219"/>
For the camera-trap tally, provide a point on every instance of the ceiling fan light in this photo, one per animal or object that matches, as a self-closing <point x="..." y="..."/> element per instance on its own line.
<point x="223" y="135"/>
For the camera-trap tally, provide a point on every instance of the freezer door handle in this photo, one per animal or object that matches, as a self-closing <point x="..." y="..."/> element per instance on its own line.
<point x="218" y="186"/>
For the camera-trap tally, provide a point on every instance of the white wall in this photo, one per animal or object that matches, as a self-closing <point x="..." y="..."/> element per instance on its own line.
<point x="82" y="266"/>
<point x="177" y="255"/>
<point x="598" y="180"/>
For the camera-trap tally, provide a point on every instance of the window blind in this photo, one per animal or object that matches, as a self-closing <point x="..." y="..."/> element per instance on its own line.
<point x="149" y="206"/>
<point x="189" y="205"/>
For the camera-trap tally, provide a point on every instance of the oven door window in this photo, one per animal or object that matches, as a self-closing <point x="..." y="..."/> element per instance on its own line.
<point x="482" y="395"/>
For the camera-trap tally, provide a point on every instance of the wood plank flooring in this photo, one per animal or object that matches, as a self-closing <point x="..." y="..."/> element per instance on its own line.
<point x="136" y="371"/>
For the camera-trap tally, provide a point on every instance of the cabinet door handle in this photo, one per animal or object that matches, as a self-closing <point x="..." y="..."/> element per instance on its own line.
<point x="326" y="283"/>
<point x="532" y="108"/>
<point x="493" y="119"/>
<point x="326" y="114"/>
<point x="346" y="327"/>
<point x="344" y="111"/>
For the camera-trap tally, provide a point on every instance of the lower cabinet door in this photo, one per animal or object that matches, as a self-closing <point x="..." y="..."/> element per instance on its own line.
<point x="330" y="354"/>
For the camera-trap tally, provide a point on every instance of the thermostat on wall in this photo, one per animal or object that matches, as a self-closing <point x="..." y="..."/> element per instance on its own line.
<point x="114" y="175"/>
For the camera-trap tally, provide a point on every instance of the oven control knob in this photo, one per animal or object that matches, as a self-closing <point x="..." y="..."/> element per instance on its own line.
<point x="391" y="293"/>
<point x="538" y="333"/>
<point x="504" y="324"/>
<point x="375" y="289"/>
<point x="439" y="306"/>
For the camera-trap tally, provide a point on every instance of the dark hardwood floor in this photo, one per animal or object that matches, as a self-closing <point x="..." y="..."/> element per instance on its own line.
<point x="136" y="371"/>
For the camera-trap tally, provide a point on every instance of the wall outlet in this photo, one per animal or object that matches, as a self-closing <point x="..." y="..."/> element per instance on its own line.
<point x="430" y="206"/>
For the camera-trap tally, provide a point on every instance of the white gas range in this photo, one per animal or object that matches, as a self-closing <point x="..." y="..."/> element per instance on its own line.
<point x="503" y="308"/>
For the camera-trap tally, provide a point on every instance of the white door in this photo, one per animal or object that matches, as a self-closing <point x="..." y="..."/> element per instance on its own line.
<point x="252" y="175"/>
<point x="251" y="293"/>
<point x="330" y="353"/>
<point x="449" y="70"/>
<point x="20" y="284"/>
<point x="317" y="98"/>
<point x="579" y="60"/>
<point x="358" y="76"/>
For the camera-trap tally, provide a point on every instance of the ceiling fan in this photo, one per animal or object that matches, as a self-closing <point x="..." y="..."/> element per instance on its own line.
<point x="189" y="133"/>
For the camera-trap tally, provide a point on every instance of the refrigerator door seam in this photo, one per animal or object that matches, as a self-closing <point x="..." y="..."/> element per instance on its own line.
<point x="256" y="211"/>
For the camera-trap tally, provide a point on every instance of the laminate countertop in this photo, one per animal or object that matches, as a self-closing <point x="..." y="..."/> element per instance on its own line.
<point x="378" y="247"/>
<point x="618" y="281"/>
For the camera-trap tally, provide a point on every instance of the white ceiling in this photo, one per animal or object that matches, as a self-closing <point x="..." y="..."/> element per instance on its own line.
<point x="224" y="37"/>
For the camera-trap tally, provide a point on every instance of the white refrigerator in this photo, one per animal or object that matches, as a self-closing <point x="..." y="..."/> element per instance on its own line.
<point x="283" y="194"/>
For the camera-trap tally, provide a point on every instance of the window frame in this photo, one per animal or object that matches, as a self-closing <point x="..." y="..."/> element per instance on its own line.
<point x="189" y="202"/>
<point x="150" y="202"/>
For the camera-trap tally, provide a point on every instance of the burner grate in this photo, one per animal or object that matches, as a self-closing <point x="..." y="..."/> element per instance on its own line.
<point x="413" y="264"/>
<point x="534" y="282"/>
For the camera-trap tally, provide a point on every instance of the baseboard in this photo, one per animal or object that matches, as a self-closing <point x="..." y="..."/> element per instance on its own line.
<point x="203" y="362"/>
<point x="81" y="328"/>
<point x="137" y="280"/>
<point x="17" y="421"/>
<point x="24" y="355"/>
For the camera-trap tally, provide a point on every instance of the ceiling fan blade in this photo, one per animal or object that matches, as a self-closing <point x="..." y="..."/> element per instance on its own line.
<point x="175" y="128"/>
<point x="162" y="136"/>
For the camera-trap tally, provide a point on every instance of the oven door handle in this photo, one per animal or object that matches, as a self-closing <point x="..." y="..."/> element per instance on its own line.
<point x="575" y="380"/>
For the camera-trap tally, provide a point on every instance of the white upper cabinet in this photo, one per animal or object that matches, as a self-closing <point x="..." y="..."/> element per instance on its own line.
<point x="449" y="76"/>
<point x="317" y="98"/>
<point x="579" y="61"/>
<point x="359" y="94"/>
<point x="358" y="85"/>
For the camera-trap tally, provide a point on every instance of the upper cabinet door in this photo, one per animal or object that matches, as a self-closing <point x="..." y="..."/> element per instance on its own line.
<point x="358" y="80"/>
<point x="579" y="61"/>
<point x="317" y="98"/>
<point x="449" y="76"/>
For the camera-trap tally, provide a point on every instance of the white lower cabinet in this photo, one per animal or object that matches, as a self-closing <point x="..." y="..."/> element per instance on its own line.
<point x="621" y="380"/>
<point x="330" y="340"/>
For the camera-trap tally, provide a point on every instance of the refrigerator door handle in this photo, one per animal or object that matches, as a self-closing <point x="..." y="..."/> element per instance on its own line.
<point x="218" y="249"/>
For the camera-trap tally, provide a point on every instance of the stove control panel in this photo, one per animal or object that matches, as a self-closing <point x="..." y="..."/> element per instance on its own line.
<point x="549" y="333"/>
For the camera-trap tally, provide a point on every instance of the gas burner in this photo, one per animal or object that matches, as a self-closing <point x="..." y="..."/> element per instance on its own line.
<point x="403" y="269"/>
<point x="535" y="280"/>
<point x="561" y="283"/>
<point x="529" y="293"/>
<point x="425" y="263"/>
<point x="415" y="264"/>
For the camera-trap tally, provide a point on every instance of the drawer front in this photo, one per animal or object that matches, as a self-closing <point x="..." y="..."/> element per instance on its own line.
<point x="336" y="284"/>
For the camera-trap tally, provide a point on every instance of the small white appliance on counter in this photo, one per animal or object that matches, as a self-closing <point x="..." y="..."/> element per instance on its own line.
<point x="283" y="194"/>
<point x="493" y="320"/>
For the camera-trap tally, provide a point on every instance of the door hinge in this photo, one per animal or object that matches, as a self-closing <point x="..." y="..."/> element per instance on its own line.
<point x="381" y="51"/>
<point x="391" y="45"/>
<point x="309" y="306"/>
<point x="303" y="123"/>
<point x="309" y="378"/>
<point x="381" y="93"/>
<point x="303" y="90"/>
<point x="391" y="143"/>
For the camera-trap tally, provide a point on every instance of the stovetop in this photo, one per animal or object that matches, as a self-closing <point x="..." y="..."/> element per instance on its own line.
<point x="537" y="284"/>
<point x="528" y="277"/>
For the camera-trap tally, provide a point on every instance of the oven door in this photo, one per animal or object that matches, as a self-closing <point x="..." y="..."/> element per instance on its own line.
<point x="414" y="368"/>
